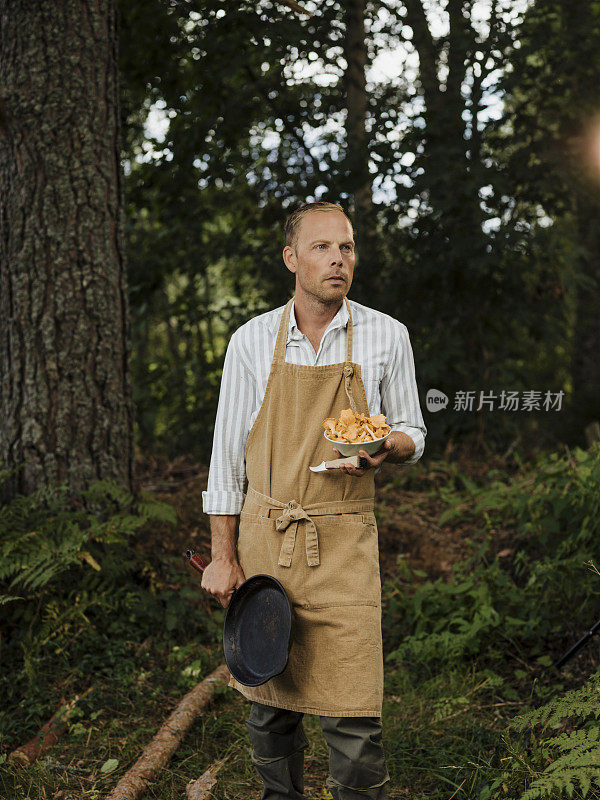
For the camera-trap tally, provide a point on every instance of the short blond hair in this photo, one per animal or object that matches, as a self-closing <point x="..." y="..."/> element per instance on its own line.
<point x="292" y="223"/>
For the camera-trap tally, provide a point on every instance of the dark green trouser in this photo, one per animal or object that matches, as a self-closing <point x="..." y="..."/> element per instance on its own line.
<point x="356" y="759"/>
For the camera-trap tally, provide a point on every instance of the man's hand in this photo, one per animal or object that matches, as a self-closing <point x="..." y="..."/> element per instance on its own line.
<point x="398" y="447"/>
<point x="221" y="577"/>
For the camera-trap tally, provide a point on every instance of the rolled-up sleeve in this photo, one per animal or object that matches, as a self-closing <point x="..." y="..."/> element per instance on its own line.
<point x="227" y="472"/>
<point x="399" y="395"/>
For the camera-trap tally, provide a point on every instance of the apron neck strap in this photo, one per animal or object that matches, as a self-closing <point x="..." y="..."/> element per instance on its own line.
<point x="349" y="331"/>
<point x="282" y="334"/>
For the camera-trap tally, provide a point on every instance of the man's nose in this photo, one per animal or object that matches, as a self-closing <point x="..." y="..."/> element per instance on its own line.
<point x="337" y="257"/>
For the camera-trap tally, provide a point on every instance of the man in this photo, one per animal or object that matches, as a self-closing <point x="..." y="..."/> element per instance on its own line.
<point x="285" y="372"/>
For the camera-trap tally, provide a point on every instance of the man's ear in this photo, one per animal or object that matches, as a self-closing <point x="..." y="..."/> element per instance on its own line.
<point x="289" y="258"/>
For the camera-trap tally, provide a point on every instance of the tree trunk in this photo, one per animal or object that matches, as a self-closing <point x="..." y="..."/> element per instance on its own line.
<point x="65" y="394"/>
<point x="586" y="344"/>
<point x="355" y="52"/>
<point x="368" y="274"/>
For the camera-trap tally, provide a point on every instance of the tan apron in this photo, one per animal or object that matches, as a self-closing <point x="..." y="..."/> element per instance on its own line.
<point x="316" y="533"/>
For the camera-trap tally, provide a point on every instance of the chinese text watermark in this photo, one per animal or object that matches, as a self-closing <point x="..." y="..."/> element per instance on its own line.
<point x="526" y="400"/>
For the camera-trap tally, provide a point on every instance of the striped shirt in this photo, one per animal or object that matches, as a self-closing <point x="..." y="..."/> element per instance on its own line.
<point x="381" y="346"/>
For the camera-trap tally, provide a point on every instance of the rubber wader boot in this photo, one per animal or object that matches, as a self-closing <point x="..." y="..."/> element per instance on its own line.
<point x="283" y="778"/>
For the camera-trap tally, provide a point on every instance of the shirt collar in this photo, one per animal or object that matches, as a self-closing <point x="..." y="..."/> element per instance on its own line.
<point x="339" y="321"/>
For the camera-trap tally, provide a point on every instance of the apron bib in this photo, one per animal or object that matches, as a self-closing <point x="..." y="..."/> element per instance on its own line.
<point x="316" y="533"/>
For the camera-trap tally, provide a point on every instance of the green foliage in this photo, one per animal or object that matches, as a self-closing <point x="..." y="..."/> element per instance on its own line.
<point x="581" y="703"/>
<point x="493" y="604"/>
<point x="511" y="604"/>
<point x="541" y="763"/>
<point x="449" y="621"/>
<point x="74" y="594"/>
<point x="206" y="212"/>
<point x="558" y="494"/>
<point x="47" y="534"/>
<point x="253" y="130"/>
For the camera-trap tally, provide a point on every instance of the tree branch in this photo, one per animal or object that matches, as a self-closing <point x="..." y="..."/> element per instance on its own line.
<point x="426" y="48"/>
<point x="296" y="7"/>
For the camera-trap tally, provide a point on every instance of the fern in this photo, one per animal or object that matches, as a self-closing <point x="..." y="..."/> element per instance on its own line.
<point x="48" y="534"/>
<point x="578" y="764"/>
<point x="579" y="703"/>
<point x="555" y="765"/>
<point x="554" y="512"/>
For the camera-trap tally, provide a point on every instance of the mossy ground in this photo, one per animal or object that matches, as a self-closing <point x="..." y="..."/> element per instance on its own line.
<point x="442" y="725"/>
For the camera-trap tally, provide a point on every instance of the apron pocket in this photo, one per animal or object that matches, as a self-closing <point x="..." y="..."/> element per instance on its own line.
<point x="348" y="573"/>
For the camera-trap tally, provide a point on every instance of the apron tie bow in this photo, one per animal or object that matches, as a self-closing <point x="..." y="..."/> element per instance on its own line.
<point x="293" y="513"/>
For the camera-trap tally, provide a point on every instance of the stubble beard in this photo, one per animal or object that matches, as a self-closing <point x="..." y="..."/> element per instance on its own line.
<point x="318" y="296"/>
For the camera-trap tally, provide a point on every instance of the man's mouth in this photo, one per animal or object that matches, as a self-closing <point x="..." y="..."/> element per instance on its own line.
<point x="335" y="278"/>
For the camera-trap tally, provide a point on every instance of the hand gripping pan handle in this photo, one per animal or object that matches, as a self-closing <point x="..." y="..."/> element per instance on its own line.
<point x="257" y="627"/>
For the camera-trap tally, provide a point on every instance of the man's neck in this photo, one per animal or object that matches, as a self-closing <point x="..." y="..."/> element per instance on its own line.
<point x="313" y="315"/>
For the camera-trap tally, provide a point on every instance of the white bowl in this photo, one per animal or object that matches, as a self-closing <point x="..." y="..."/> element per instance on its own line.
<point x="352" y="448"/>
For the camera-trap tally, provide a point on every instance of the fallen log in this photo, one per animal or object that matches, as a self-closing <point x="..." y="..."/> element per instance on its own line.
<point x="48" y="734"/>
<point x="168" y="738"/>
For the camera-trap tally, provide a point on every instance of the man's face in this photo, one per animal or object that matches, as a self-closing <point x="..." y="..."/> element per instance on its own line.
<point x="324" y="249"/>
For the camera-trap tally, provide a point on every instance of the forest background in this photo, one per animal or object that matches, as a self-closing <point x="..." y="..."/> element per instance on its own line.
<point x="468" y="158"/>
<point x="463" y="138"/>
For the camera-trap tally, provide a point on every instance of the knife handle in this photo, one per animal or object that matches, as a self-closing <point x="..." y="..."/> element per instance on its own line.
<point x="352" y="461"/>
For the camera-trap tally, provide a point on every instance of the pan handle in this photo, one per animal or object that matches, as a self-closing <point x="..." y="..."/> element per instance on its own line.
<point x="200" y="563"/>
<point x="196" y="560"/>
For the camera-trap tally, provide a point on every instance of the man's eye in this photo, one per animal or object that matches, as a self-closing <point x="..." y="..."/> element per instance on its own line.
<point x="321" y="245"/>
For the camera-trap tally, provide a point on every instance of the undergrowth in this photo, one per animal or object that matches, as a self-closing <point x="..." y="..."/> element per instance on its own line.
<point x="506" y="611"/>
<point x="554" y="750"/>
<point x="473" y="709"/>
<point x="80" y="594"/>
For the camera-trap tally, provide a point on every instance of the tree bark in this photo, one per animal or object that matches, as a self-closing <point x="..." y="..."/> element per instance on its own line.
<point x="65" y="394"/>
<point x="355" y="52"/>
<point x="586" y="344"/>
<point x="368" y="275"/>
